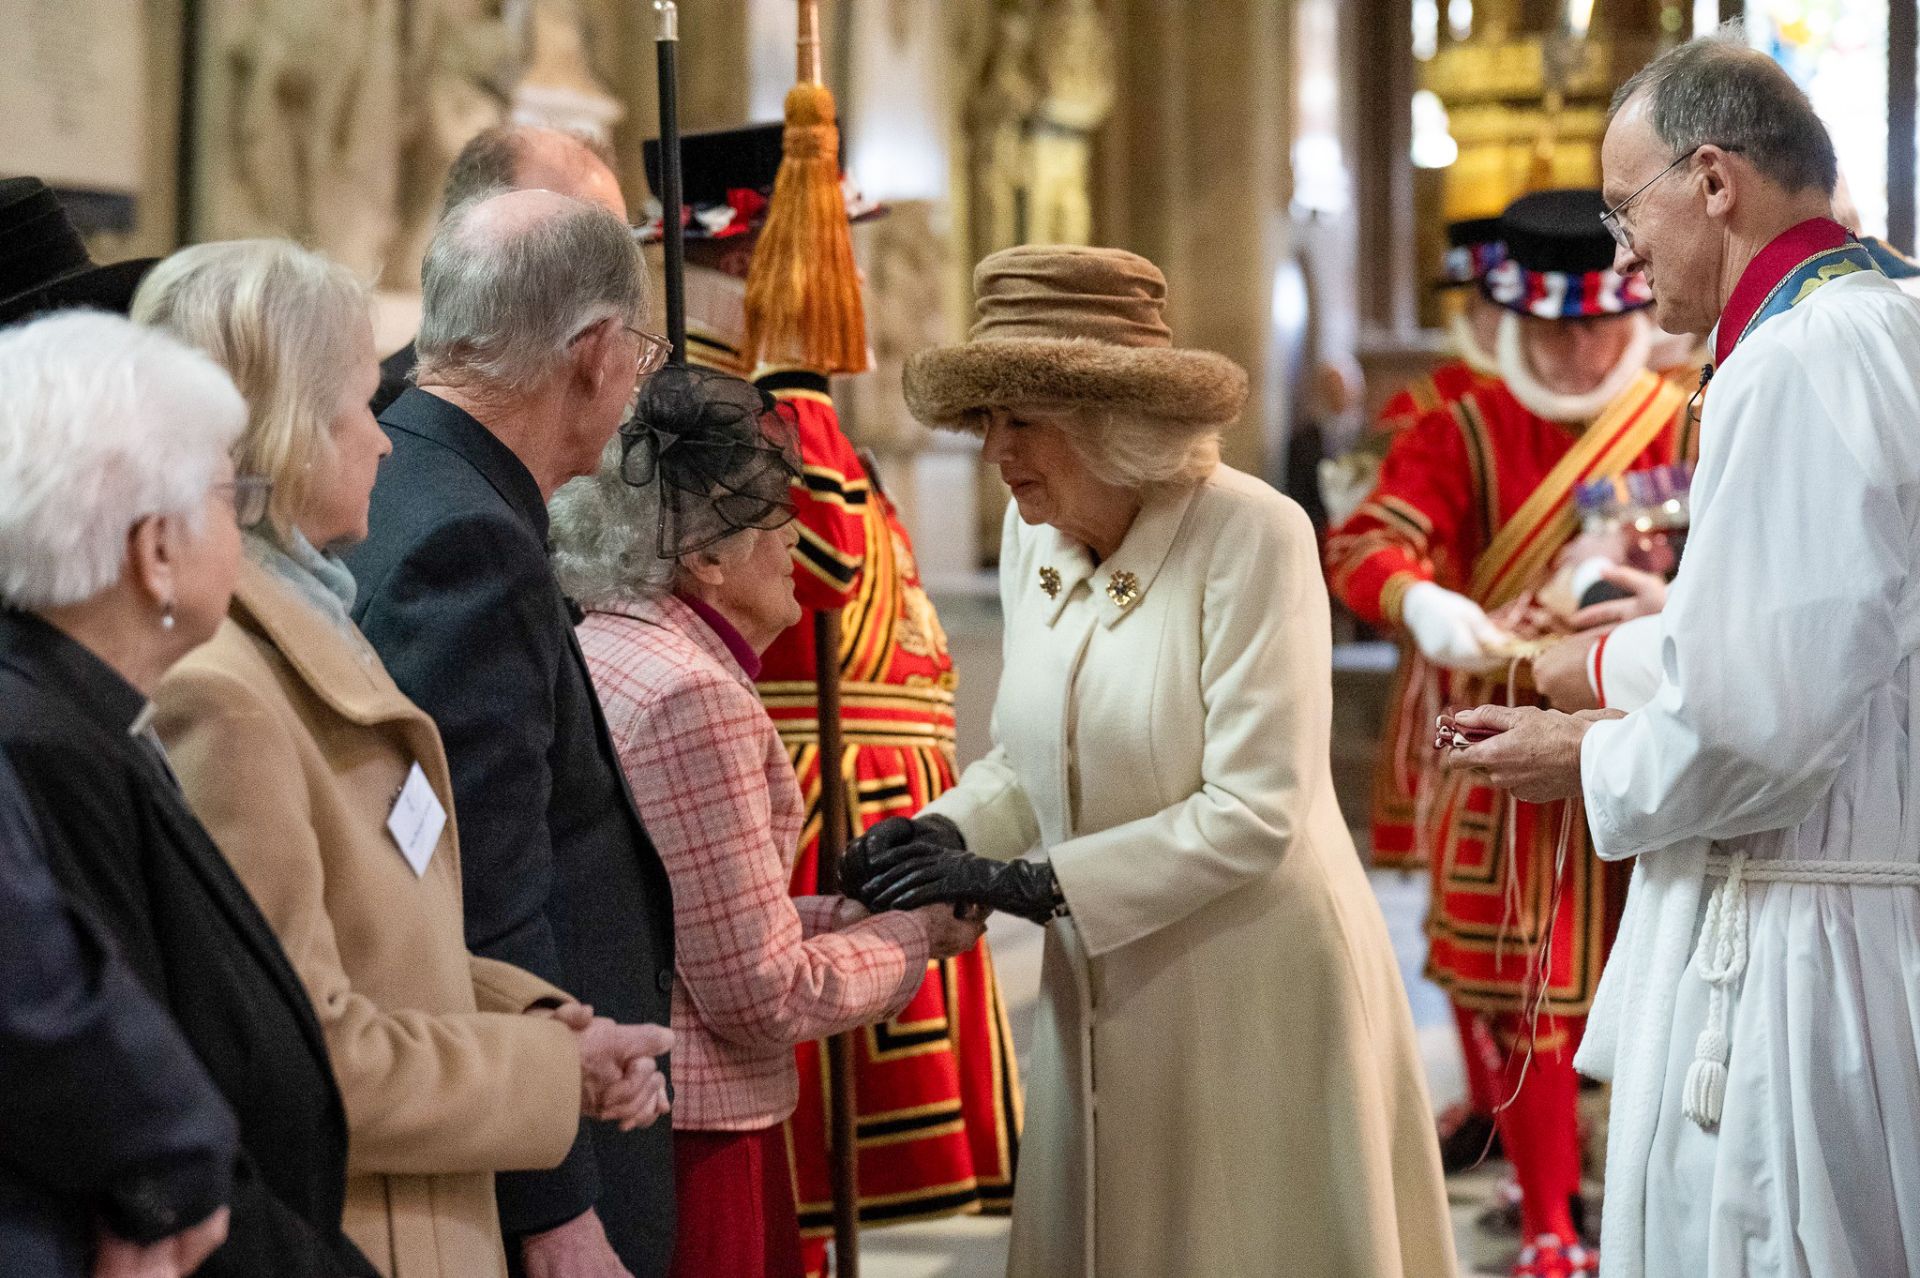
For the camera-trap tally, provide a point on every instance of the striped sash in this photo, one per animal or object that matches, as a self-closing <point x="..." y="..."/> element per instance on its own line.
<point x="1517" y="558"/>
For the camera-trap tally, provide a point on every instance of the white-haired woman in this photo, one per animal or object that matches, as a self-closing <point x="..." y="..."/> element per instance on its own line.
<point x="1224" y="1077"/>
<point x="680" y="549"/>
<point x="119" y="545"/>
<point x="327" y="789"/>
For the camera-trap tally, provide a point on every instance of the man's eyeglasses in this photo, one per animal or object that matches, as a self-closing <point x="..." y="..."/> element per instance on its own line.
<point x="251" y="495"/>
<point x="1611" y="218"/>
<point x="655" y="351"/>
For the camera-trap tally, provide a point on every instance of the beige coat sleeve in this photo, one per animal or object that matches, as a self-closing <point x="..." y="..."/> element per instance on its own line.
<point x="502" y="987"/>
<point x="994" y="814"/>
<point x="1266" y="703"/>
<point x="992" y="811"/>
<point x="412" y="1081"/>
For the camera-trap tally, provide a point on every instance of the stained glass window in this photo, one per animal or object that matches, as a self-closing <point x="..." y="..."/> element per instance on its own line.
<point x="1837" y="51"/>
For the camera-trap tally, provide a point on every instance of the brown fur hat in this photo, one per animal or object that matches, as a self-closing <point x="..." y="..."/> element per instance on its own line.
<point x="1063" y="326"/>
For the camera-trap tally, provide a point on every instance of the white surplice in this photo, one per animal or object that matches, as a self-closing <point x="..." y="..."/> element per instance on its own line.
<point x="1783" y="730"/>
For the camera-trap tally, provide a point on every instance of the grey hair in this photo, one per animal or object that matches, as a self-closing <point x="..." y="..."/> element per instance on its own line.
<point x="104" y="423"/>
<point x="1715" y="89"/>
<point x="1139" y="453"/>
<point x="606" y="537"/>
<point x="500" y="304"/>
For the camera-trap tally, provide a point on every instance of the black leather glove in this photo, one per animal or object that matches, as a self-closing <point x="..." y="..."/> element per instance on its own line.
<point x="893" y="841"/>
<point x="1026" y="888"/>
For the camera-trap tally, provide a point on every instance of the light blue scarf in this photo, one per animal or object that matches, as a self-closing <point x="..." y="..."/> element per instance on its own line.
<point x="319" y="578"/>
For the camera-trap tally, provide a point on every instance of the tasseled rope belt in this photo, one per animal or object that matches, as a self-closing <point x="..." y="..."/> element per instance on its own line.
<point x="1722" y="954"/>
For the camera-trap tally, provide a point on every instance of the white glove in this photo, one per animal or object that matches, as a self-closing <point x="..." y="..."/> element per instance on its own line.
<point x="1452" y="631"/>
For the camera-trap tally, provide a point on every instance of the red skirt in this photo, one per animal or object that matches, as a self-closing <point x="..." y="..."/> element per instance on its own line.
<point x="735" y="1197"/>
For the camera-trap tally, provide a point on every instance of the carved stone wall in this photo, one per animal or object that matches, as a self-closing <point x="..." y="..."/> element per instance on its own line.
<point x="300" y="124"/>
<point x="1039" y="86"/>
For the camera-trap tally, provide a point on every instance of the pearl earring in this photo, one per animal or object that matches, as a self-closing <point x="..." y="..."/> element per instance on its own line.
<point x="166" y="615"/>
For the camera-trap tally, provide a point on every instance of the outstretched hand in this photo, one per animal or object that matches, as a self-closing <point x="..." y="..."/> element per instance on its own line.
<point x="887" y="844"/>
<point x="1646" y="595"/>
<point x="1026" y="888"/>
<point x="1533" y="754"/>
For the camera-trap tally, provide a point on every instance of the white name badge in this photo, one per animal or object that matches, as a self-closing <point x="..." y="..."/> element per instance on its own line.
<point x="416" y="821"/>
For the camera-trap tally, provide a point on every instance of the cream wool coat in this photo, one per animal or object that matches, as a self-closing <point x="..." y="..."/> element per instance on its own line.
<point x="1224" y="1078"/>
<point x="291" y="742"/>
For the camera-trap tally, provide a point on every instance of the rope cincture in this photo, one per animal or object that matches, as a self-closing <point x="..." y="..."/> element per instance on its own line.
<point x="1721" y="956"/>
<point x="1722" y="959"/>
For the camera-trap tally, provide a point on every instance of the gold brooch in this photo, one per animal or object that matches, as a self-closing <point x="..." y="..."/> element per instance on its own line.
<point x="1123" y="588"/>
<point x="1050" y="581"/>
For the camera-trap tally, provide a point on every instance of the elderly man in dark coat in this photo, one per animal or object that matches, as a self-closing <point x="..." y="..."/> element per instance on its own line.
<point x="530" y="347"/>
<point x="512" y="157"/>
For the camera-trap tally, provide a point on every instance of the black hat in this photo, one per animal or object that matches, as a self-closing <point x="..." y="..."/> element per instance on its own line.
<point x="722" y="160"/>
<point x="1559" y="260"/>
<point x="44" y="263"/>
<point x="726" y="177"/>
<point x="1474" y="247"/>
<point x="722" y="453"/>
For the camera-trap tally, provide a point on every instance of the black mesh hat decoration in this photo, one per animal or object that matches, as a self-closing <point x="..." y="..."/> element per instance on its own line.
<point x="721" y="453"/>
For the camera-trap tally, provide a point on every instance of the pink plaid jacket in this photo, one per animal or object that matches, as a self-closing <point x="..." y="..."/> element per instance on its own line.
<point x="759" y="971"/>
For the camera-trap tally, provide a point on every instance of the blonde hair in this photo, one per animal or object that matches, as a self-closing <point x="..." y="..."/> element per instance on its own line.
<point x="284" y="322"/>
<point x="1126" y="450"/>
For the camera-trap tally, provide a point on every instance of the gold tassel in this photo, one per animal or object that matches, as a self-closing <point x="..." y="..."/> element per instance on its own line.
<point x="803" y="289"/>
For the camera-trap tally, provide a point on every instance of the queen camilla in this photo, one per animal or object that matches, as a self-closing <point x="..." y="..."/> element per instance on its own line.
<point x="1161" y="738"/>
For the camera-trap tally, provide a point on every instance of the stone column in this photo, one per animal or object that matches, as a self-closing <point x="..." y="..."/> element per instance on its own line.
<point x="1194" y="173"/>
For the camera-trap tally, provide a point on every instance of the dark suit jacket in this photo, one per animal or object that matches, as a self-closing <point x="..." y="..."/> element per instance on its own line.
<point x="108" y="1112"/>
<point x="123" y="845"/>
<point x="396" y="377"/>
<point x="560" y="877"/>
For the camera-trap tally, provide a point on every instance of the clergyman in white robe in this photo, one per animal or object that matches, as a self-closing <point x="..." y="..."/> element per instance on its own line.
<point x="1780" y="742"/>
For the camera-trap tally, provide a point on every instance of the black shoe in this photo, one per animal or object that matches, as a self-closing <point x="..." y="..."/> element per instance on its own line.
<point x="1467" y="1142"/>
<point x="1582" y="1218"/>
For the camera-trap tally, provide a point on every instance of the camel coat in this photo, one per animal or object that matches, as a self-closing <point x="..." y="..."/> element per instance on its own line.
<point x="292" y="743"/>
<point x="1224" y="1078"/>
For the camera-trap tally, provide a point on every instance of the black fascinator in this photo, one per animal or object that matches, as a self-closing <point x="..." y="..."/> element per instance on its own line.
<point x="722" y="453"/>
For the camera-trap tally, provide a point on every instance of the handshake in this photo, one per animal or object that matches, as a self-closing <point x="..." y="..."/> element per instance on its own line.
<point x="904" y="864"/>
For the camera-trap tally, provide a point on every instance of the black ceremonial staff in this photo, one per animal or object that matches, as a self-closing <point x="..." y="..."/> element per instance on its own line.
<point x="666" y="46"/>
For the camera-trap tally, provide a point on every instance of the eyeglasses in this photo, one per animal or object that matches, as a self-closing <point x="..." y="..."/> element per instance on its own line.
<point x="251" y="494"/>
<point x="1611" y="218"/>
<point x="655" y="351"/>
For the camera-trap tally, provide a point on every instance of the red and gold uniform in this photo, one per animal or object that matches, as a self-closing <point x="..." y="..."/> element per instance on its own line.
<point x="1418" y="690"/>
<point x="937" y="1093"/>
<point x="1478" y="498"/>
<point x="1474" y="247"/>
<point x="1439" y="388"/>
